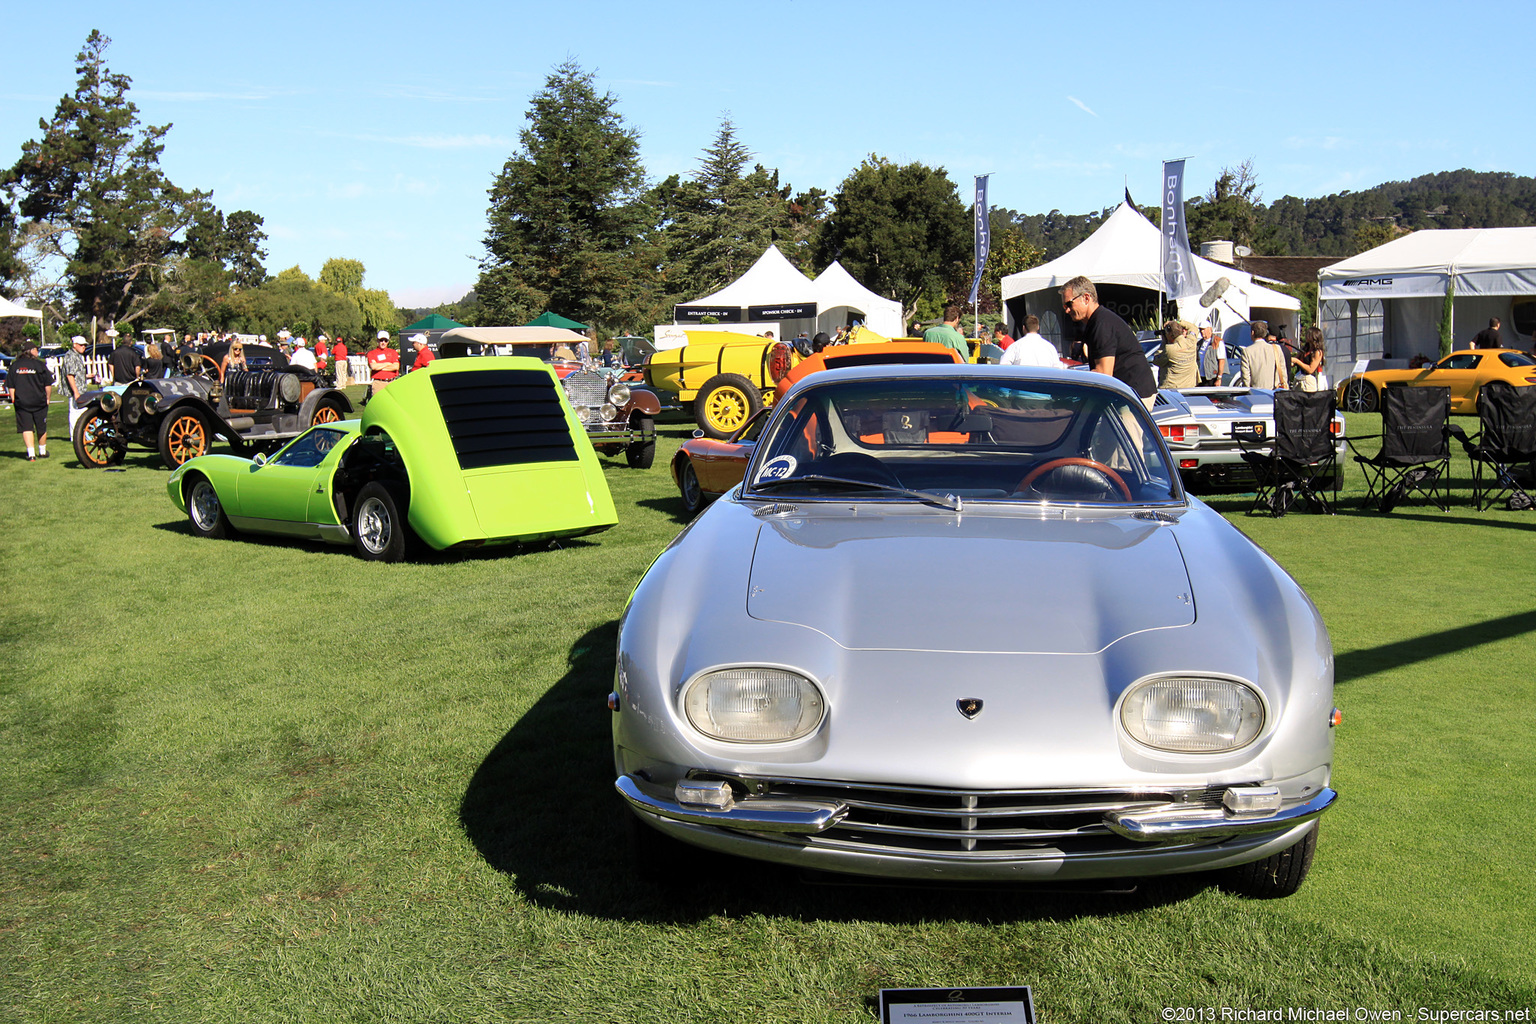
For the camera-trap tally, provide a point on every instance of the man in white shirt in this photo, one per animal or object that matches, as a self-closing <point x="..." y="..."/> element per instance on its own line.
<point x="303" y="355"/>
<point x="1031" y="349"/>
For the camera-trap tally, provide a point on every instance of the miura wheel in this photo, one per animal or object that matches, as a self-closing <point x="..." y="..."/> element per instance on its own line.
<point x="1359" y="396"/>
<point x="725" y="403"/>
<point x="205" y="512"/>
<point x="379" y="529"/>
<point x="183" y="435"/>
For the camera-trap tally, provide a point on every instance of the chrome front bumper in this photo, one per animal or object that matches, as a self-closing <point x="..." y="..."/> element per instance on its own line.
<point x="1168" y="823"/>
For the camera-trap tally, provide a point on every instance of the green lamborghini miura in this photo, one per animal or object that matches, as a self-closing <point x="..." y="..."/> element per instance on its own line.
<point x="463" y="453"/>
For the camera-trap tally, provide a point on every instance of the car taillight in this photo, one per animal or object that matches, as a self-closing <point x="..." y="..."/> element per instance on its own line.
<point x="778" y="362"/>
<point x="1180" y="433"/>
<point x="1335" y="427"/>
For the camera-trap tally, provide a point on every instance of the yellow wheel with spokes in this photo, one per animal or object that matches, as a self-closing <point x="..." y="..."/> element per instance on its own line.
<point x="725" y="403"/>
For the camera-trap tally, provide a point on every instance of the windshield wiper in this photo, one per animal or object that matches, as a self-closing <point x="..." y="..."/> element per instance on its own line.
<point x="950" y="501"/>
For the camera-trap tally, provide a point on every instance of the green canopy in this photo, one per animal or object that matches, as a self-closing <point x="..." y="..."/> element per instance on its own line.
<point x="432" y="322"/>
<point x="547" y="319"/>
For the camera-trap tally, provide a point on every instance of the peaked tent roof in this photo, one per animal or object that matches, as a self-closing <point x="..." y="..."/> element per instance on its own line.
<point x="432" y="322"/>
<point x="548" y="319"/>
<point x="772" y="279"/>
<point x="837" y="287"/>
<point x="1483" y="261"/>
<point x="1126" y="249"/>
<point x="9" y="308"/>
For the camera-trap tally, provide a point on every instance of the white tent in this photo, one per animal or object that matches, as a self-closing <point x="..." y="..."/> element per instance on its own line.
<point x="1387" y="301"/>
<point x="9" y="308"/>
<point x="841" y="296"/>
<point x="1123" y="259"/>
<point x="773" y="295"/>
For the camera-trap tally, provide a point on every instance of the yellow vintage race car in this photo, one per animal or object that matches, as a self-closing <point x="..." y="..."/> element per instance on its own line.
<point x="1464" y="372"/>
<point x="725" y="377"/>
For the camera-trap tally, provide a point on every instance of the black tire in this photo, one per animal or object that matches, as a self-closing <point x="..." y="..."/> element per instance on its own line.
<point x="1276" y="876"/>
<point x="379" y="530"/>
<point x="642" y="454"/>
<point x="92" y="448"/>
<point x="688" y="485"/>
<point x="1360" y="396"/>
<point x="205" y="512"/>
<point x="330" y="409"/>
<point x="184" y="434"/>
<point x="724" y="403"/>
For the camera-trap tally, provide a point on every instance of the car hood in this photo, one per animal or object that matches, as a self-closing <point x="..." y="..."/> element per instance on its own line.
<point x="935" y="581"/>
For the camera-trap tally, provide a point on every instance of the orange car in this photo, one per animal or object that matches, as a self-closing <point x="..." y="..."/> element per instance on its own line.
<point x="705" y="468"/>
<point x="1464" y="372"/>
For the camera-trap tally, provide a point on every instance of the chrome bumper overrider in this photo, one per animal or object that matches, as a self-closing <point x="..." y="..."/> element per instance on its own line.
<point x="1172" y="824"/>
<point x="1165" y="823"/>
<point x="751" y="815"/>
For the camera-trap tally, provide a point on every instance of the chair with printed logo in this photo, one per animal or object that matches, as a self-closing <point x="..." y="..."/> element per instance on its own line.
<point x="1506" y="438"/>
<point x="1415" y="454"/>
<point x="1297" y="465"/>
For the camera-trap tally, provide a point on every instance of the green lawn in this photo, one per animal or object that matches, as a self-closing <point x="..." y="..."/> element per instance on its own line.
<point x="263" y="781"/>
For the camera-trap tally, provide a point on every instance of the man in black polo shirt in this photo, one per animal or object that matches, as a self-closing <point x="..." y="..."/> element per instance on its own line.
<point x="29" y="383"/>
<point x="1110" y="345"/>
<point x="127" y="364"/>
<point x="1488" y="337"/>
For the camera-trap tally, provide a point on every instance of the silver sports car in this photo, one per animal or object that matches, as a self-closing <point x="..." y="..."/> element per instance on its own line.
<point x="1202" y="427"/>
<point x="963" y="624"/>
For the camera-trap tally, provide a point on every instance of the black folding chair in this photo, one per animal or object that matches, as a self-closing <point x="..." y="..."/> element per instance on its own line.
<point x="1301" y="460"/>
<point x="1506" y="437"/>
<point x="1415" y="455"/>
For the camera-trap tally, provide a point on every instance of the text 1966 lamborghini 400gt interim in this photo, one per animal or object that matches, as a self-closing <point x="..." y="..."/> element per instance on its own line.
<point x="963" y="624"/>
<point x="463" y="453"/>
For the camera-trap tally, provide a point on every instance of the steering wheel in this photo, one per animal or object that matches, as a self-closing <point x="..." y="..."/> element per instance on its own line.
<point x="1050" y="464"/>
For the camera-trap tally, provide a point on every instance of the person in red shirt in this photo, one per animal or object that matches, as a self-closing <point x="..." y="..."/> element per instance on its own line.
<point x="383" y="364"/>
<point x="424" y="355"/>
<point x="322" y="353"/>
<point x="339" y="362"/>
<point x="1000" y="338"/>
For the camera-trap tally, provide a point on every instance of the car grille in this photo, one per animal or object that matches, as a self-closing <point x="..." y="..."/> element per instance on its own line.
<point x="504" y="417"/>
<point x="586" y="387"/>
<point x="978" y="824"/>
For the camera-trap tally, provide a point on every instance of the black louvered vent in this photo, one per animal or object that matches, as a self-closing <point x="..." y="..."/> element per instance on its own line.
<point x="503" y="417"/>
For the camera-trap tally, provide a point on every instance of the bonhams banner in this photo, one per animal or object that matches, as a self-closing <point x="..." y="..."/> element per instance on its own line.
<point x="1179" y="278"/>
<point x="983" y="234"/>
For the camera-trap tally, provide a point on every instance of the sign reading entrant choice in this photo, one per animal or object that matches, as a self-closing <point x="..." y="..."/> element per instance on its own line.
<point x="1010" y="1005"/>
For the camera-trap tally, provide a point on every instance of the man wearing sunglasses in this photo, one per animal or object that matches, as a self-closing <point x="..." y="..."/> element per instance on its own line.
<point x="1111" y="346"/>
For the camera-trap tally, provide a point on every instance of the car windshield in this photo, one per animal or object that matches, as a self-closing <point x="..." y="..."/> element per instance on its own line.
<point x="952" y="440"/>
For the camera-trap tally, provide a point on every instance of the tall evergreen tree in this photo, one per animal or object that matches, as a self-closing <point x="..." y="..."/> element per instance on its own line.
<point x="566" y="220"/>
<point x="94" y="198"/>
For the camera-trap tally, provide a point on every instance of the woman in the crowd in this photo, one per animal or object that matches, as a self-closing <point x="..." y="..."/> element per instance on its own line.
<point x="1309" y="364"/>
<point x="234" y="359"/>
<point x="154" y="362"/>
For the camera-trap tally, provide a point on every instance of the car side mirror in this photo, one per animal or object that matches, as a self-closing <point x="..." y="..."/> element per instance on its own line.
<point x="260" y="459"/>
<point x="697" y="432"/>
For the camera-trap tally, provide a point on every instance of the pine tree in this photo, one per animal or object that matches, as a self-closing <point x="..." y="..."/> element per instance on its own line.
<point x="566" y="217"/>
<point x="94" y="198"/>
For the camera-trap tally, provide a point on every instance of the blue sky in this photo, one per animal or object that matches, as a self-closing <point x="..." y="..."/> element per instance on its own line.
<point x="372" y="131"/>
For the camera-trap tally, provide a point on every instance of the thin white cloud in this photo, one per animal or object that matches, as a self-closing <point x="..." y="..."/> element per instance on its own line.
<point x="200" y="97"/>
<point x="415" y="92"/>
<point x="1081" y="105"/>
<point x="644" y="82"/>
<point x="1325" y="142"/>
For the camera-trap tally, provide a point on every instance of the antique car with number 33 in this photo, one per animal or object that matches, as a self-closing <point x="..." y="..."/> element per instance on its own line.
<point x="463" y="453"/>
<point x="963" y="624"/>
<point x="256" y="409"/>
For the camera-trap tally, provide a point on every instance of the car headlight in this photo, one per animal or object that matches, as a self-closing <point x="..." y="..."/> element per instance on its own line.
<point x="1192" y="714"/>
<point x="608" y="412"/>
<point x="754" y="705"/>
<point x="619" y="394"/>
<point x="110" y="401"/>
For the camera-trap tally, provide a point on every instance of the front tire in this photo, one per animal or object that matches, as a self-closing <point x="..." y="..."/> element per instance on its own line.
<point x="184" y="435"/>
<point x="642" y="454"/>
<point x="1276" y="876"/>
<point x="725" y="402"/>
<point x="379" y="530"/>
<point x="205" y="512"/>
<point x="1360" y="396"/>
<point x="688" y="486"/>
<point x="92" y="440"/>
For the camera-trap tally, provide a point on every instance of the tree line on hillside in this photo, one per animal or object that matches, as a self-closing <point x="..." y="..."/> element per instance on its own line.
<point x="91" y="227"/>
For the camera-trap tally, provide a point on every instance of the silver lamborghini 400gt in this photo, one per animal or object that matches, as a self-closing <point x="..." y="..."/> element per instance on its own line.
<point x="963" y="624"/>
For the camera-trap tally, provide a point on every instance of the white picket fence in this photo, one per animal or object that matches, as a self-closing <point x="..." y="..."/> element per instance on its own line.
<point x="101" y="370"/>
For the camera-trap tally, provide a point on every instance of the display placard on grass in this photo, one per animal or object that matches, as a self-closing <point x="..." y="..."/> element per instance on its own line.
<point x="1010" y="1004"/>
